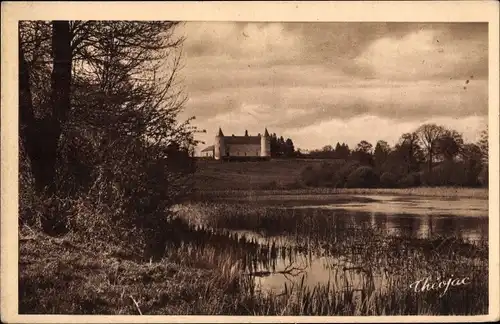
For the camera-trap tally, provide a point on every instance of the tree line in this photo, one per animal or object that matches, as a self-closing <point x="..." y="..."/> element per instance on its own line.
<point x="430" y="155"/>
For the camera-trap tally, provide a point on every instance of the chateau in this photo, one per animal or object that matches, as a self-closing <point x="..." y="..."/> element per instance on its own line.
<point x="239" y="147"/>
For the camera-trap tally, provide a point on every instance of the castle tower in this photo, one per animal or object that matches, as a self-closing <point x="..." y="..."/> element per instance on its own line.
<point x="265" y="144"/>
<point x="219" y="146"/>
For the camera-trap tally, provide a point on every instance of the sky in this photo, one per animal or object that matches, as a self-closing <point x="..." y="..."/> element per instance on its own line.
<point x="323" y="83"/>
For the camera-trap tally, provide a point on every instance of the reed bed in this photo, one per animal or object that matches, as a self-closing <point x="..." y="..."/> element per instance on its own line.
<point x="386" y="264"/>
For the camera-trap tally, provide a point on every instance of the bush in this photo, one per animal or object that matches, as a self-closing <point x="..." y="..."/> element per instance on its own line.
<point x="388" y="180"/>
<point x="327" y="174"/>
<point x="410" y="180"/>
<point x="341" y="175"/>
<point x="362" y="177"/>
<point x="451" y="173"/>
<point x="309" y="176"/>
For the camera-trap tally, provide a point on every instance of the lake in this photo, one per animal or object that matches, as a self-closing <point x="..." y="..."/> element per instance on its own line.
<point x="353" y="243"/>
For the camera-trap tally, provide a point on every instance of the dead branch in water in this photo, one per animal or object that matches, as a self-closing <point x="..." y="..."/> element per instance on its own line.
<point x="289" y="270"/>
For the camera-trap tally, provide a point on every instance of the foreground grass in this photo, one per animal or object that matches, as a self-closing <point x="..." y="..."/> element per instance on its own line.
<point x="68" y="276"/>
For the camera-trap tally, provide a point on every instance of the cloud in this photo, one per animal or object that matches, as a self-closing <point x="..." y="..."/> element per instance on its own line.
<point x="424" y="54"/>
<point x="343" y="100"/>
<point x="310" y="80"/>
<point x="236" y="40"/>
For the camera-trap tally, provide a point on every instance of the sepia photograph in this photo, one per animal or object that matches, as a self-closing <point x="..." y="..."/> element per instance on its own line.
<point x="253" y="168"/>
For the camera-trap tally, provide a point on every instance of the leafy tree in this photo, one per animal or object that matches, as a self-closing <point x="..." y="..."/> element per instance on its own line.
<point x="364" y="147"/>
<point x="381" y="153"/>
<point x="280" y="147"/>
<point x="275" y="148"/>
<point x="407" y="152"/>
<point x="483" y="144"/>
<point x="471" y="156"/>
<point x="327" y="148"/>
<point x="449" y="144"/>
<point x="483" y="148"/>
<point x="343" y="152"/>
<point x="363" y="153"/>
<point x="289" y="148"/>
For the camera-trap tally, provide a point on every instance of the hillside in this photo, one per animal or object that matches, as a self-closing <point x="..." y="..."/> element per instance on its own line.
<point x="276" y="173"/>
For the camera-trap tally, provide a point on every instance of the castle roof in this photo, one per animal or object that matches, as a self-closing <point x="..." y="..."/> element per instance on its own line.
<point x="220" y="132"/>
<point x="208" y="149"/>
<point x="242" y="140"/>
<point x="266" y="133"/>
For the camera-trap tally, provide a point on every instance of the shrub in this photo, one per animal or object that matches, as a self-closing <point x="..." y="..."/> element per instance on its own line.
<point x="309" y="176"/>
<point x="388" y="180"/>
<point x="362" y="177"/>
<point x="327" y="174"/>
<point x="410" y="180"/>
<point x="341" y="175"/>
<point x="450" y="173"/>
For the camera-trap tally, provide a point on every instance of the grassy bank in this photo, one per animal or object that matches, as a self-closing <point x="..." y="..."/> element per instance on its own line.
<point x="274" y="174"/>
<point x="71" y="276"/>
<point x="326" y="193"/>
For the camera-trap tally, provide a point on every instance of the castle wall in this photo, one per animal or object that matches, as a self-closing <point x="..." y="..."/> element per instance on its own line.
<point x="207" y="154"/>
<point x="244" y="149"/>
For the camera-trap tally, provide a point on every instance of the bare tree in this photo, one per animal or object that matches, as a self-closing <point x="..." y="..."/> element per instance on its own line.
<point x="429" y="134"/>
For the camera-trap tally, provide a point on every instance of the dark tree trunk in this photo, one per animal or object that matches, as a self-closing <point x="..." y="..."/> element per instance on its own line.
<point x="32" y="130"/>
<point x="430" y="160"/>
<point x="26" y="115"/>
<point x="60" y="96"/>
<point x="41" y="136"/>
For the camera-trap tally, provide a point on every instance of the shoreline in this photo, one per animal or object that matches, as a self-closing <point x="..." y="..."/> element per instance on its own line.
<point x="435" y="192"/>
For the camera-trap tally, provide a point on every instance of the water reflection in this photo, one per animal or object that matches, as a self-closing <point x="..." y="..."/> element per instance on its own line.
<point x="344" y="245"/>
<point x="464" y="207"/>
<point x="316" y="259"/>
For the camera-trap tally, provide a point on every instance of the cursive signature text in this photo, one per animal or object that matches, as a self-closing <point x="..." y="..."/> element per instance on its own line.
<point x="427" y="284"/>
